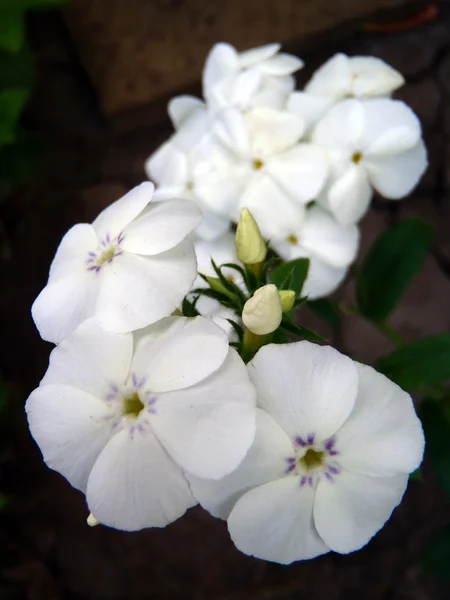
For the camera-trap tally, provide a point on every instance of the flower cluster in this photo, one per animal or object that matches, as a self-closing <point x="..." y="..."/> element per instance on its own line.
<point x="306" y="163"/>
<point x="149" y="408"/>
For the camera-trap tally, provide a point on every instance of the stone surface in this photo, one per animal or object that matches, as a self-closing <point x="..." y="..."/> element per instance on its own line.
<point x="137" y="51"/>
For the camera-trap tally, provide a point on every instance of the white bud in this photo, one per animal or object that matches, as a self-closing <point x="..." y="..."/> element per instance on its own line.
<point x="262" y="313"/>
<point x="92" y="521"/>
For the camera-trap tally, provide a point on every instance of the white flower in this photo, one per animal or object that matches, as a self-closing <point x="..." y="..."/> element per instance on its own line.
<point x="128" y="269"/>
<point x="334" y="444"/>
<point x="260" y="165"/>
<point x="120" y="416"/>
<point x="258" y="77"/>
<point x="343" y="77"/>
<point x="263" y="311"/>
<point x="330" y="247"/>
<point x="372" y="144"/>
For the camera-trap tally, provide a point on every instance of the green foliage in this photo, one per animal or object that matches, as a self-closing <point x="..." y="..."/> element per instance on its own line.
<point x="12" y="102"/>
<point x="436" y="425"/>
<point x="325" y="310"/>
<point x="12" y="29"/>
<point x="436" y="559"/>
<point x="393" y="260"/>
<point x="420" y="363"/>
<point x="291" y="275"/>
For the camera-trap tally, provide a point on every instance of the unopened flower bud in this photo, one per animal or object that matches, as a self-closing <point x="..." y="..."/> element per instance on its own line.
<point x="250" y="246"/>
<point x="216" y="285"/>
<point x="262" y="313"/>
<point x="287" y="299"/>
<point x="91" y="520"/>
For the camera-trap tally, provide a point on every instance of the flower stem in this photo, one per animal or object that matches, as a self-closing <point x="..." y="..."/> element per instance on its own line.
<point x="251" y="343"/>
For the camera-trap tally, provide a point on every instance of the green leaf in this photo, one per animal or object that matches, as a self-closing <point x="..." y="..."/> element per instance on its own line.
<point x="436" y="426"/>
<point x="12" y="30"/>
<point x="424" y="362"/>
<point x="291" y="275"/>
<point x="392" y="262"/>
<point x="436" y="558"/>
<point x="290" y="326"/>
<point x="325" y="310"/>
<point x="17" y="70"/>
<point x="12" y="102"/>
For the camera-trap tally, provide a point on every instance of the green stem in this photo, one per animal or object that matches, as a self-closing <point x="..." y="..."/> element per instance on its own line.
<point x="251" y="343"/>
<point x="390" y="333"/>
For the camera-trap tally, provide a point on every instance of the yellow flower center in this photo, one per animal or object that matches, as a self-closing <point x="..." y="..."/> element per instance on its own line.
<point x="312" y="459"/>
<point x="132" y="405"/>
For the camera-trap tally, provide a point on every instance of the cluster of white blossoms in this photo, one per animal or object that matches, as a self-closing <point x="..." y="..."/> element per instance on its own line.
<point x="306" y="163"/>
<point x="149" y="410"/>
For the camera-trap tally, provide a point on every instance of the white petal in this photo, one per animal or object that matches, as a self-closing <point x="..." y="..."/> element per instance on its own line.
<point x="308" y="389"/>
<point x="244" y="86"/>
<point x="327" y="239"/>
<point x="163" y="226"/>
<point x="91" y="359"/>
<point x="323" y="279"/>
<point x="301" y="171"/>
<point x="349" y="196"/>
<point x="265" y="461"/>
<point x="168" y="165"/>
<point x="232" y="131"/>
<point x="282" y="64"/>
<point x="178" y="352"/>
<point x="273" y="131"/>
<point x="193" y="130"/>
<point x="351" y="509"/>
<point x="221" y="61"/>
<point x="212" y="226"/>
<point x="273" y="92"/>
<point x="342" y="126"/>
<point x="253" y="56"/>
<point x="275" y="213"/>
<point x="138" y="290"/>
<point x="207" y="428"/>
<point x="64" y="304"/>
<point x="118" y="215"/>
<point x="383" y="435"/>
<point x="222" y="250"/>
<point x="220" y="190"/>
<point x="390" y="126"/>
<point x="396" y="176"/>
<point x="309" y="107"/>
<point x="275" y="522"/>
<point x="70" y="427"/>
<point x="373" y="77"/>
<point x="332" y="78"/>
<point x="135" y="484"/>
<point x="181" y="108"/>
<point x="72" y="253"/>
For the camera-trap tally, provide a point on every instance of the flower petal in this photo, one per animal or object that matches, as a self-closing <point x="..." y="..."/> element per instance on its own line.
<point x="163" y="226"/>
<point x="332" y="79"/>
<point x="178" y="352"/>
<point x="342" y="126"/>
<point x="251" y="57"/>
<point x="275" y="522"/>
<point x="308" y="389"/>
<point x="265" y="461"/>
<point x="212" y="226"/>
<point x="207" y="428"/>
<point x="301" y="172"/>
<point x="396" y="176"/>
<point x="168" y="166"/>
<point x="328" y="240"/>
<point x="118" y="215"/>
<point x="221" y="189"/>
<point x="64" y="304"/>
<point x="349" y="196"/>
<point x="373" y="77"/>
<point x="222" y="61"/>
<point x="90" y="359"/>
<point x="272" y="131"/>
<point x="135" y="484"/>
<point x="71" y="428"/>
<point x="281" y="64"/>
<point x="72" y="252"/>
<point x="138" y="290"/>
<point x="309" y="107"/>
<point x="351" y="509"/>
<point x="383" y="435"/>
<point x="181" y="108"/>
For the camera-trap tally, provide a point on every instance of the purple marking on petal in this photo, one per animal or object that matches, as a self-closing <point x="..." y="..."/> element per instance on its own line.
<point x="333" y="452"/>
<point x="120" y="238"/>
<point x="153" y="411"/>
<point x="334" y="470"/>
<point x="303" y="481"/>
<point x="114" y="387"/>
<point x="107" y="238"/>
<point x="140" y="427"/>
<point x="290" y="469"/>
<point x="134" y="379"/>
<point x="291" y="459"/>
<point x="141" y="383"/>
<point x="110" y="397"/>
<point x="115" y="424"/>
<point x="310" y="439"/>
<point x="93" y="254"/>
<point x="152" y="400"/>
<point x="94" y="268"/>
<point x="299" y="441"/>
<point x="329" y="444"/>
<point x="118" y="253"/>
<point x="328" y="476"/>
<point x="310" y="481"/>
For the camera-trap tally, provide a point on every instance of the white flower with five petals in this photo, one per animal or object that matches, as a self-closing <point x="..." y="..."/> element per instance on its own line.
<point x="372" y="144"/>
<point x="122" y="415"/>
<point x="335" y="442"/>
<point x="128" y="269"/>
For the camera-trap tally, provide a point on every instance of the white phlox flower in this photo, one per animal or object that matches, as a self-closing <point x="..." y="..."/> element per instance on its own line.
<point x="222" y="251"/>
<point x="260" y="77"/>
<point x="343" y="77"/>
<point x="372" y="144"/>
<point x="330" y="247"/>
<point x="335" y="442"/>
<point x="122" y="415"/>
<point x="128" y="269"/>
<point x="259" y="164"/>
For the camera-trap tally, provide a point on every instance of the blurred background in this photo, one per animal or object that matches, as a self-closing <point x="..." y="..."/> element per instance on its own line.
<point x="83" y="92"/>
